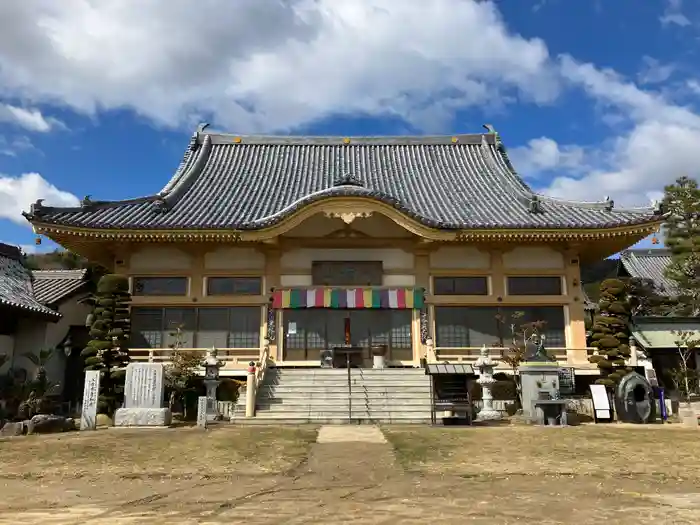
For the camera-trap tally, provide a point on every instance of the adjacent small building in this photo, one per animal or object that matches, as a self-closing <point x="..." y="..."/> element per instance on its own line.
<point x="280" y="247"/>
<point x="658" y="336"/>
<point x="41" y="310"/>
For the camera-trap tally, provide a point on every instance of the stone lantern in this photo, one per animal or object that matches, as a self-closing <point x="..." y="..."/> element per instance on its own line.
<point x="211" y="382"/>
<point x="485" y="365"/>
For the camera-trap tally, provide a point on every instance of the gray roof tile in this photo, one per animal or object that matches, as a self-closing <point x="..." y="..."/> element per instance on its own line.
<point x="16" y="284"/>
<point x="249" y="183"/>
<point x="648" y="264"/>
<point x="52" y="286"/>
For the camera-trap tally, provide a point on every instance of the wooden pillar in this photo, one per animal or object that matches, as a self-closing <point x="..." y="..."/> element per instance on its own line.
<point x="421" y="267"/>
<point x="273" y="258"/>
<point x="197" y="272"/>
<point x="497" y="273"/>
<point x="577" y="352"/>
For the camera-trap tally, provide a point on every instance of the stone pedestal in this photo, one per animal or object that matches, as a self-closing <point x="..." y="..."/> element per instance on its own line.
<point x="538" y="380"/>
<point x="143" y="397"/>
<point x="212" y="410"/>
<point x="142" y="417"/>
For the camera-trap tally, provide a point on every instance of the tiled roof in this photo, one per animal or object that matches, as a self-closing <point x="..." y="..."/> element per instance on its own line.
<point x="51" y="286"/>
<point x="16" y="284"/>
<point x="648" y="264"/>
<point x="248" y="183"/>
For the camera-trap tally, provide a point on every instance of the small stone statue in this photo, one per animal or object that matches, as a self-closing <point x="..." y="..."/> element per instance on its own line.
<point x="535" y="351"/>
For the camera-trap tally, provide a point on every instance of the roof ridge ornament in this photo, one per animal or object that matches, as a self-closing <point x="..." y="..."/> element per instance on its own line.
<point x="535" y="205"/>
<point x="658" y="207"/>
<point x="202" y="126"/>
<point x="37" y="208"/>
<point x="490" y="129"/>
<point x="86" y="202"/>
<point x="160" y="205"/>
<point x="609" y="204"/>
<point x="348" y="180"/>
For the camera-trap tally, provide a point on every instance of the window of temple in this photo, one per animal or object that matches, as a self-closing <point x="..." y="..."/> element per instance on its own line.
<point x="204" y="327"/>
<point x="470" y="285"/>
<point x="540" y="285"/>
<point x="475" y="326"/>
<point x="160" y="285"/>
<point x="234" y="286"/>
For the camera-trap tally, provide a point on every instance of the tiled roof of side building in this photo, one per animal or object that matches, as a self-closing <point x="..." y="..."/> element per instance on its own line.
<point x="648" y="264"/>
<point x="52" y="286"/>
<point x="253" y="182"/>
<point x="16" y="290"/>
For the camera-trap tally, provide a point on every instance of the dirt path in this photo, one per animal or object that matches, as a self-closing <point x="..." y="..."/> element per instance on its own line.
<point x="347" y="481"/>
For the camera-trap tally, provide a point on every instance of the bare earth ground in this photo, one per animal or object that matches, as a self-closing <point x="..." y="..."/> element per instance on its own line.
<point x="265" y="475"/>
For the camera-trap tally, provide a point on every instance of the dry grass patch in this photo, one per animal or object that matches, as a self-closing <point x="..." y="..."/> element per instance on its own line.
<point x="668" y="452"/>
<point x="184" y="452"/>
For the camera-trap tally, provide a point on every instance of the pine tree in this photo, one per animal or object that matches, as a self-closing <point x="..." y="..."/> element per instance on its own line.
<point x="646" y="300"/>
<point x="611" y="332"/>
<point x="108" y="350"/>
<point x="682" y="233"/>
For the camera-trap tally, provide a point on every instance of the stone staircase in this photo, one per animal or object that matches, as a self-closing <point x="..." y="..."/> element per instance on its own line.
<point x="316" y="395"/>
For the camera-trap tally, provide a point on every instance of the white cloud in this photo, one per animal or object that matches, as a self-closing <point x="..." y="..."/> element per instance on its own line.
<point x="29" y="119"/>
<point x="660" y="146"/>
<point x="654" y="72"/>
<point x="544" y="154"/>
<point x="18" y="193"/>
<point x="273" y="65"/>
<point x="269" y="64"/>
<point x="17" y="144"/>
<point x="673" y="14"/>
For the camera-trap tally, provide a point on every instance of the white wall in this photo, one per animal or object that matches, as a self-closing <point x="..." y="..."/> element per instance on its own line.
<point x="460" y="258"/>
<point x="154" y="258"/>
<point x="227" y="258"/>
<point x="533" y="257"/>
<point x="35" y="335"/>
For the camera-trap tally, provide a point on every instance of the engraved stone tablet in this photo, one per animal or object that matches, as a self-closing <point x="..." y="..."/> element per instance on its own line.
<point x="144" y="386"/>
<point x="143" y="397"/>
<point x="202" y="411"/>
<point x="91" y="392"/>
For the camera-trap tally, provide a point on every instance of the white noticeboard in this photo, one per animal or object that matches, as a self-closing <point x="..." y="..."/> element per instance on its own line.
<point x="601" y="403"/>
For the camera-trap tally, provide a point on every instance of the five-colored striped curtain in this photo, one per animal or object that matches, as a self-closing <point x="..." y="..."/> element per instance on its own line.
<point x="348" y="298"/>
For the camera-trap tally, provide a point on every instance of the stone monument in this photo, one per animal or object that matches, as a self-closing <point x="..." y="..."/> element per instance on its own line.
<point x="539" y="376"/>
<point x="143" y="397"/>
<point x="485" y="365"/>
<point x="91" y="393"/>
<point x="539" y="382"/>
<point x="202" y="404"/>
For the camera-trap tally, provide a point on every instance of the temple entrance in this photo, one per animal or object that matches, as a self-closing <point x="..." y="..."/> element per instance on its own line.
<point x="308" y="332"/>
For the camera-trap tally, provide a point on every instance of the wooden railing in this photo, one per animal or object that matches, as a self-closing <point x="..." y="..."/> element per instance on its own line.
<point x="469" y="355"/>
<point x="232" y="357"/>
<point x="262" y="363"/>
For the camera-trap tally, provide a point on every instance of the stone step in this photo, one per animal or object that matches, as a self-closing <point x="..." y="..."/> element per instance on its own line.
<point x="287" y="403"/>
<point x="320" y="390"/>
<point x="301" y="383"/>
<point x="335" y="395"/>
<point x="283" y="420"/>
<point x="288" y="372"/>
<point x="340" y="414"/>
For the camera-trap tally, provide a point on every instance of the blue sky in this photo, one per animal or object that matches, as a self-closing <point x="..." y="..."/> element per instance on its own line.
<point x="591" y="98"/>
